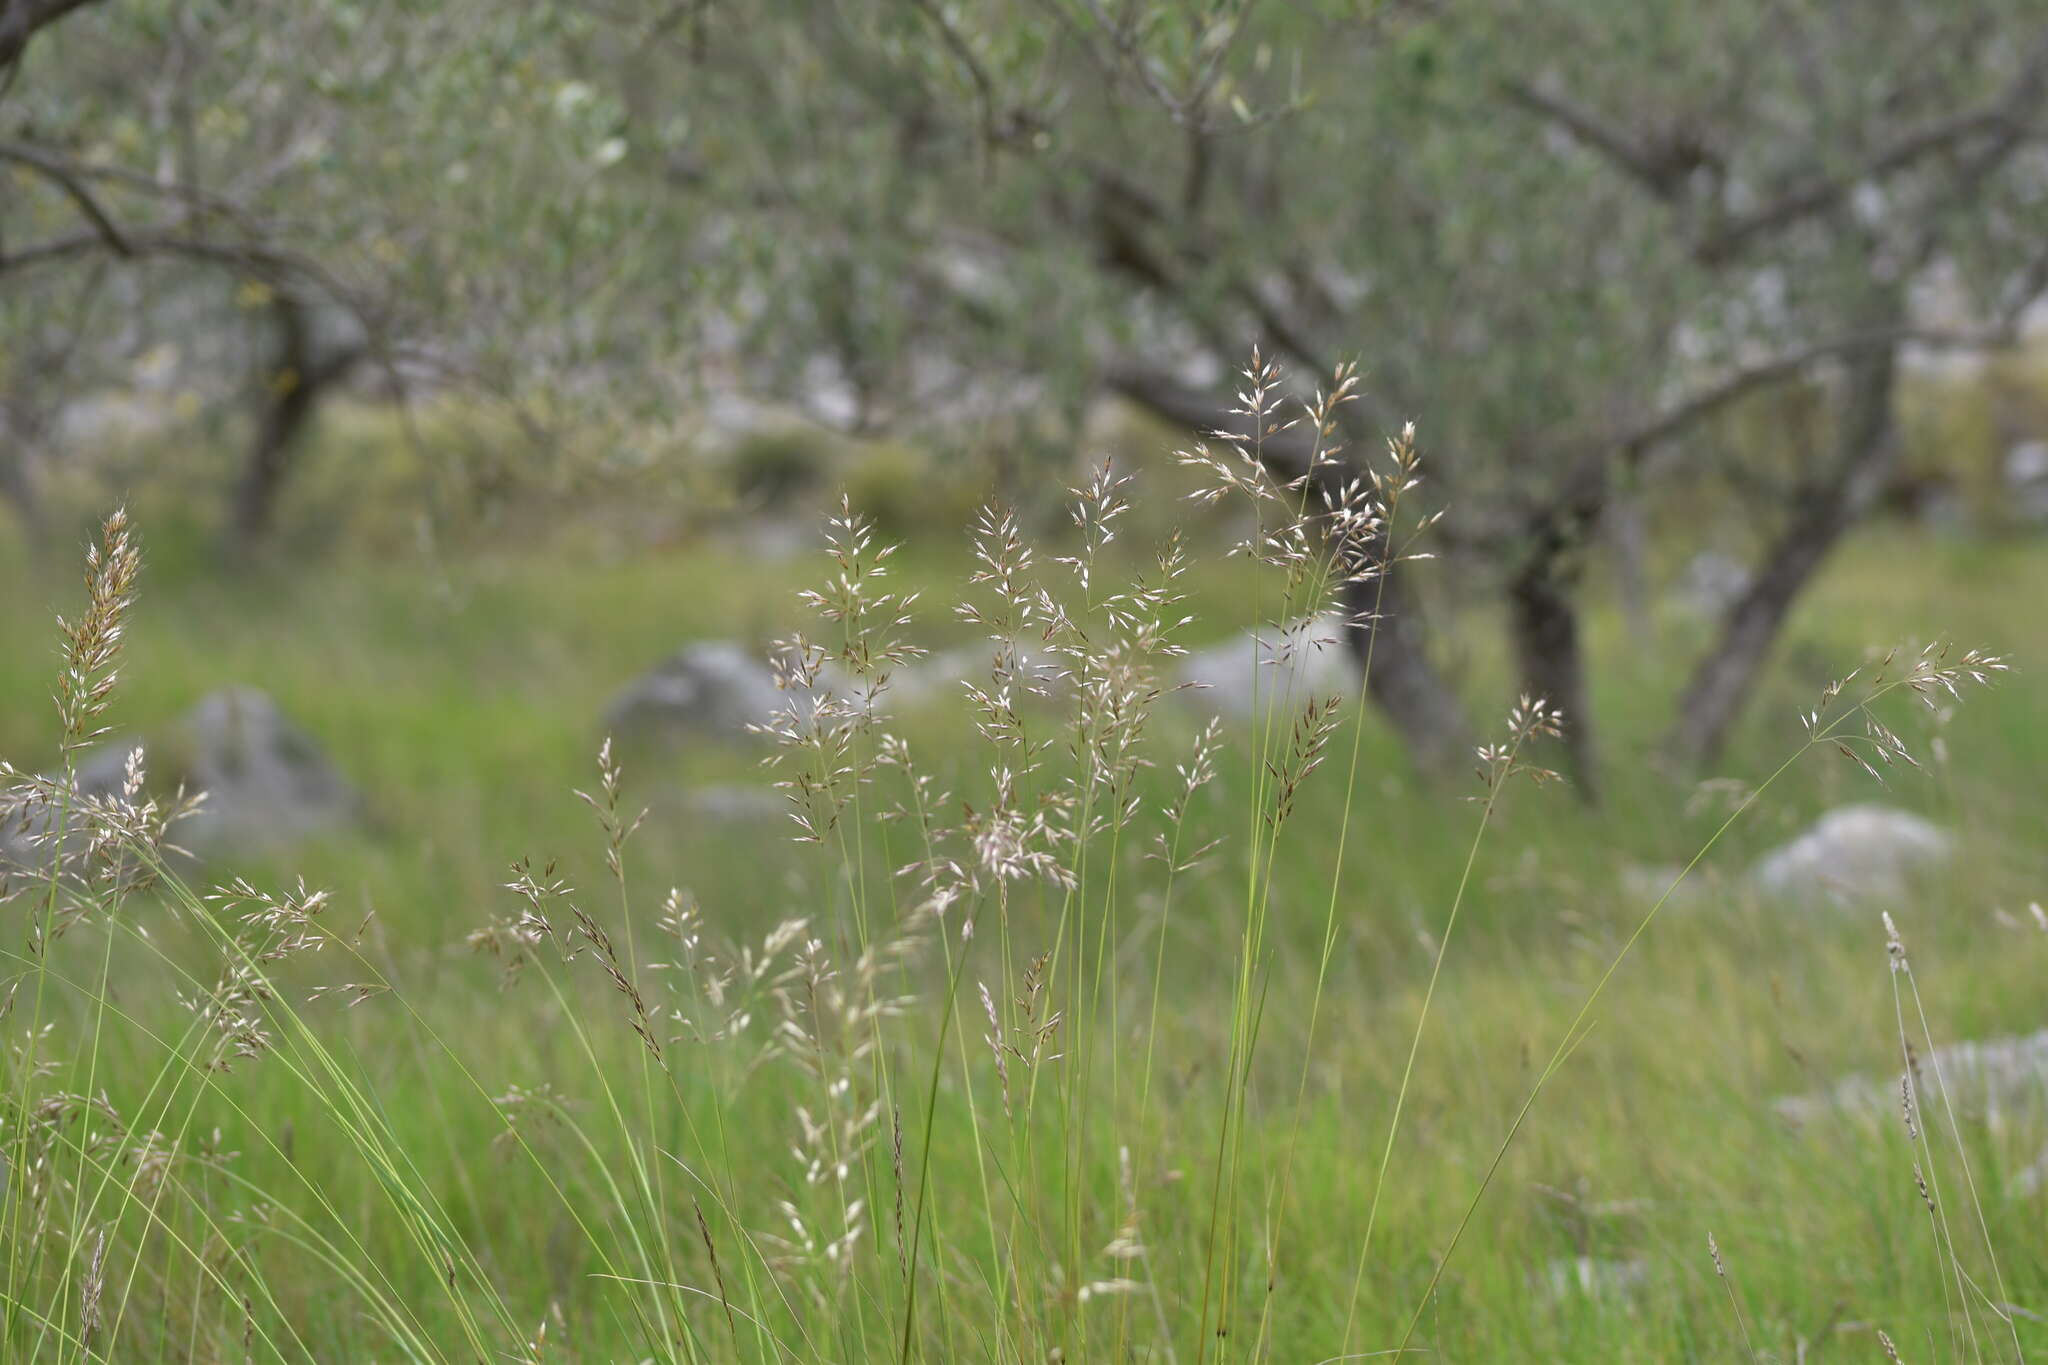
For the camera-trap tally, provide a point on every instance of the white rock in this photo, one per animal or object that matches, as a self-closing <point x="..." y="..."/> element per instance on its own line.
<point x="943" y="677"/>
<point x="1241" y="677"/>
<point x="1710" y="584"/>
<point x="1594" y="1277"/>
<point x="711" y="688"/>
<point x="1993" y="1079"/>
<point x="2027" y="464"/>
<point x="1851" y="854"/>
<point x="2026" y="480"/>
<point x="267" y="783"/>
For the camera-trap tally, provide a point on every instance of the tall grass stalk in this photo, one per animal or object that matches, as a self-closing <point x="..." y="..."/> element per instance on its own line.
<point x="1827" y="727"/>
<point x="929" y="1109"/>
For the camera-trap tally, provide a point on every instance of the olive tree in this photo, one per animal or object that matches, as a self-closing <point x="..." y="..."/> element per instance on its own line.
<point x="294" y="197"/>
<point x="1567" y="240"/>
<point x="1564" y="240"/>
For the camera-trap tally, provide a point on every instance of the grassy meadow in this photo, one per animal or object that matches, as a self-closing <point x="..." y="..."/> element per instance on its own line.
<point x="1176" y="1146"/>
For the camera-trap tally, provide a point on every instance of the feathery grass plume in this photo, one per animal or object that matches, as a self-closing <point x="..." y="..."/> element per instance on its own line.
<point x="512" y="939"/>
<point x="1529" y="720"/>
<point x="91" y="1287"/>
<point x="1936" y="670"/>
<point x="823" y="738"/>
<point x="233" y="1009"/>
<point x="1920" y="1183"/>
<point x="528" y="1111"/>
<point x="996" y="1045"/>
<point x="896" y="1180"/>
<point x="719" y="989"/>
<point x="92" y="642"/>
<point x="1307" y="745"/>
<point x="617" y="828"/>
<point x="582" y="934"/>
<point x="592" y="936"/>
<point x="828" y="1030"/>
<point x="86" y="852"/>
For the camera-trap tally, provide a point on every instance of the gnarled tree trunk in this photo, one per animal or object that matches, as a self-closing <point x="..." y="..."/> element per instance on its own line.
<point x="1401" y="680"/>
<point x="18" y="487"/>
<point x="297" y="378"/>
<point x="19" y="20"/>
<point x="1825" y="507"/>
<point x="1543" y="620"/>
<point x="1386" y="621"/>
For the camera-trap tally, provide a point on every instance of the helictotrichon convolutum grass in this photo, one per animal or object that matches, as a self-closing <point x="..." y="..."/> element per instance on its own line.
<point x="939" y="1110"/>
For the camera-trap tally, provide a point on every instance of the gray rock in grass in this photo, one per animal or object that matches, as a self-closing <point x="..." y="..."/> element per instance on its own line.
<point x="268" y="783"/>
<point x="1593" y="1277"/>
<point x="1993" y="1080"/>
<point x="942" y="678"/>
<point x="29" y="811"/>
<point x="711" y="689"/>
<point x="1853" y="855"/>
<point x="1240" y="678"/>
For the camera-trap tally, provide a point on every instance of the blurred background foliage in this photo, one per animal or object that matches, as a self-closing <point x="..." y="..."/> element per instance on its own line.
<point x="458" y="361"/>
<point x="1657" y="280"/>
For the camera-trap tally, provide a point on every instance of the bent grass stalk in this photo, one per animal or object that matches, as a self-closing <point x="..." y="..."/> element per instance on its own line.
<point x="356" y="1118"/>
<point x="1821" y="732"/>
<point x="1901" y="966"/>
<point x="1390" y="512"/>
<point x="1056" y="831"/>
<point x="1530" y="719"/>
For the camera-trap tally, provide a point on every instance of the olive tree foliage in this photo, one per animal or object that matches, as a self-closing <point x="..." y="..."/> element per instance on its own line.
<point x="1566" y="238"/>
<point x="1817" y="163"/>
<point x="1001" y="207"/>
<point x="264" y="202"/>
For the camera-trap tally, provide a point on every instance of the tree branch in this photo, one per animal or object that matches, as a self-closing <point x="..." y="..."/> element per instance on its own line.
<point x="67" y="179"/>
<point x="1636" y="440"/>
<point x="2005" y="114"/>
<point x="1727" y="241"/>
<point x="963" y="53"/>
<point x="20" y="20"/>
<point x="1657" y="170"/>
<point x="177" y="191"/>
<point x="1579" y="498"/>
<point x="1664" y="170"/>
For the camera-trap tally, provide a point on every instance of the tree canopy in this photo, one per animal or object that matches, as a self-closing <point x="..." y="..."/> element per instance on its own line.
<point x="1566" y="239"/>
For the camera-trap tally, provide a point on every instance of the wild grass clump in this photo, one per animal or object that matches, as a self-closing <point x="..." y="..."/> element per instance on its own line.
<point x="948" y="1107"/>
